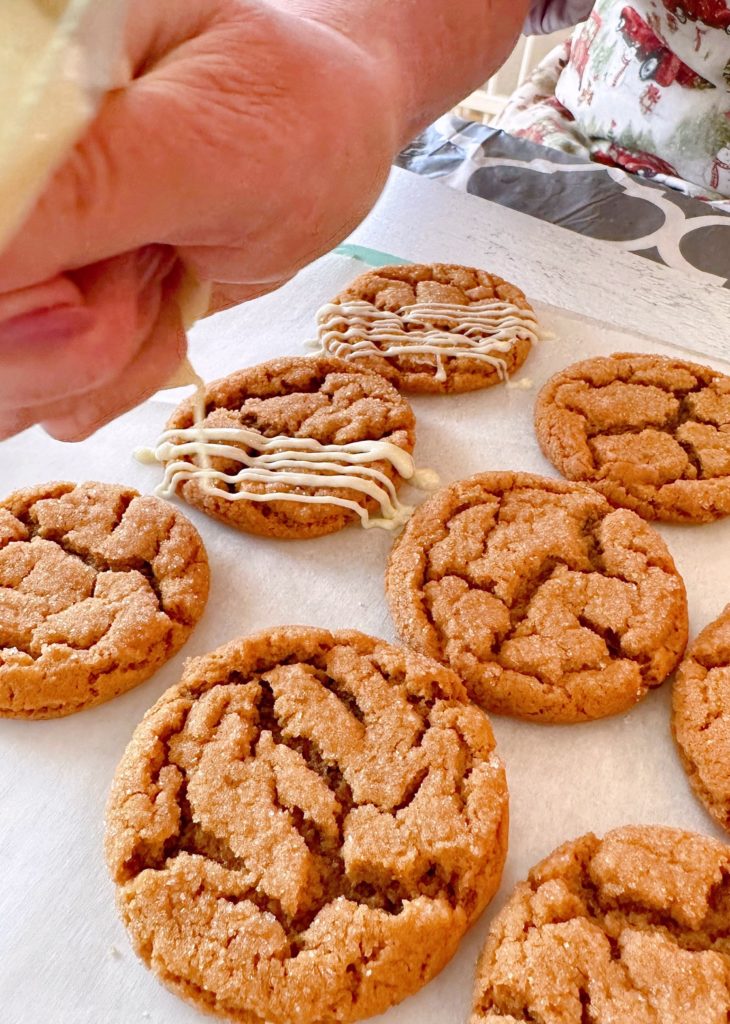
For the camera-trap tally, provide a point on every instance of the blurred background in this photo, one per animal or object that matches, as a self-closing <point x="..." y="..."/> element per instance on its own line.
<point x="486" y="102"/>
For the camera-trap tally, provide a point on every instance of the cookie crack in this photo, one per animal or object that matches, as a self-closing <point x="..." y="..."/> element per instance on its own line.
<point x="338" y="883"/>
<point x="332" y="404"/>
<point x="192" y="839"/>
<point x="612" y="916"/>
<point x="670" y="427"/>
<point x="529" y="588"/>
<point x="101" y="565"/>
<point x="609" y="636"/>
<point x="19" y="648"/>
<point x="679" y="393"/>
<point x="690" y="450"/>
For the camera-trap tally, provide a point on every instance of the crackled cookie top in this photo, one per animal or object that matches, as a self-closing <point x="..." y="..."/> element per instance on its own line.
<point x="436" y="327"/>
<point x="295" y="447"/>
<point x="651" y="434"/>
<point x="701" y="716"/>
<point x="98" y="587"/>
<point x="303" y="828"/>
<point x="631" y="929"/>
<point x="547" y="602"/>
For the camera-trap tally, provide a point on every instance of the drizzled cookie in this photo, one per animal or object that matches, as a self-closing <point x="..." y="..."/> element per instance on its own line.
<point x="294" y="448"/>
<point x="430" y="328"/>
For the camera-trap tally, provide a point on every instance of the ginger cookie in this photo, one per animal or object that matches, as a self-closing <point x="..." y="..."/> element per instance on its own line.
<point x="651" y="434"/>
<point x="305" y="826"/>
<point x="293" y="448"/>
<point x="630" y="929"/>
<point x="431" y="328"/>
<point x="98" y="588"/>
<point x="701" y="717"/>
<point x="547" y="602"/>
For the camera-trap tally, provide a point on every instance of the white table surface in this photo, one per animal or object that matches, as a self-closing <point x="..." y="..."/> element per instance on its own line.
<point x="64" y="957"/>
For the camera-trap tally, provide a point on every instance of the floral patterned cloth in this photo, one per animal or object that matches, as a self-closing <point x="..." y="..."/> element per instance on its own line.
<point x="644" y="86"/>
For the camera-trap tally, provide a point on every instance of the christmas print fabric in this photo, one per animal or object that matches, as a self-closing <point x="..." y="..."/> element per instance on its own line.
<point x="643" y="85"/>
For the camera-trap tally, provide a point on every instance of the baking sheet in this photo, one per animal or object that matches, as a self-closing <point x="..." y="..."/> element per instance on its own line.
<point x="64" y="957"/>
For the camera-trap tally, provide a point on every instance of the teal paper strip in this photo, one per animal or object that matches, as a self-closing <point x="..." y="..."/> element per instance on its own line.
<point x="371" y="256"/>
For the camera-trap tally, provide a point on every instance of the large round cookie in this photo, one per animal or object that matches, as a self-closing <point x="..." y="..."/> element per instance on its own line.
<point x="321" y="398"/>
<point x="305" y="826"/>
<point x="701" y="716"/>
<point x="650" y="433"/>
<point x="431" y="327"/>
<point x="98" y="588"/>
<point x="547" y="602"/>
<point x="631" y="929"/>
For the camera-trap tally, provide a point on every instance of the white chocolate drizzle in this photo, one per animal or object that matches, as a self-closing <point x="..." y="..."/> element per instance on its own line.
<point x="299" y="462"/>
<point x="357" y="330"/>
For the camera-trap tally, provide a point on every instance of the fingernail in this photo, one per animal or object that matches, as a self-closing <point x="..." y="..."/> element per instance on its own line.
<point x="57" y="324"/>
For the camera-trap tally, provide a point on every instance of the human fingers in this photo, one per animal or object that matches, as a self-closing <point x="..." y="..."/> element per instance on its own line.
<point x="136" y="334"/>
<point x="74" y="417"/>
<point x="52" y="353"/>
<point x="154" y="363"/>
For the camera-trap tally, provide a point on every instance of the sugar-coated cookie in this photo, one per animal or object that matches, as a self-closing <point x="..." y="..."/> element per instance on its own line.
<point x="633" y="928"/>
<point x="99" y="587"/>
<point x="431" y="327"/>
<point x="701" y="716"/>
<point x="303" y="828"/>
<point x="650" y="433"/>
<point x="547" y="602"/>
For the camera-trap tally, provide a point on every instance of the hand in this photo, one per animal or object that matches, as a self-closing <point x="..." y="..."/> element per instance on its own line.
<point x="249" y="142"/>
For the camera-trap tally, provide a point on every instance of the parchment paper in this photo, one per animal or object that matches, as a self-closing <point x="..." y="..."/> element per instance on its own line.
<point x="64" y="957"/>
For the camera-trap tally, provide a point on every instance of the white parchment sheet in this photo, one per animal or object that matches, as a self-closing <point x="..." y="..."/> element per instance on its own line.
<point x="64" y="957"/>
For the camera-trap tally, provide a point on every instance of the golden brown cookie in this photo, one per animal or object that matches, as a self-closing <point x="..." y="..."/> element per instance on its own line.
<point x="651" y="434"/>
<point x="305" y="826"/>
<point x="631" y="929"/>
<point x="701" y="717"/>
<point x="431" y="327"/>
<point x="98" y="588"/>
<point x="547" y="602"/>
<point x="322" y="399"/>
